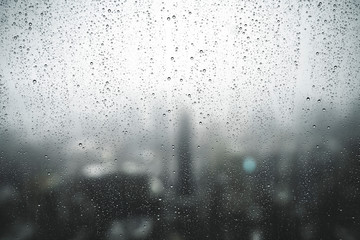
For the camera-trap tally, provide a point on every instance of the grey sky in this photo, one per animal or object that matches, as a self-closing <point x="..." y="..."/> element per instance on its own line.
<point x="74" y="69"/>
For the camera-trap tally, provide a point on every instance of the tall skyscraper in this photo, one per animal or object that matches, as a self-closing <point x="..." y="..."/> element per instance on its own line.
<point x="185" y="180"/>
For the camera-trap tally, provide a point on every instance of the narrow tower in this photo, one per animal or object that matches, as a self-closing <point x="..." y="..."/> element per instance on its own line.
<point x="185" y="181"/>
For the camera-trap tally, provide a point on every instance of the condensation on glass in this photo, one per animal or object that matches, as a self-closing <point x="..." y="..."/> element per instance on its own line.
<point x="179" y="119"/>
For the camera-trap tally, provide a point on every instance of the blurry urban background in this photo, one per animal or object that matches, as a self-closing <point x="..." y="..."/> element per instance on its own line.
<point x="293" y="190"/>
<point x="179" y="120"/>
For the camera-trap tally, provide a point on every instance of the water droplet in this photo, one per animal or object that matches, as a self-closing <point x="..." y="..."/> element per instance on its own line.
<point x="48" y="174"/>
<point x="34" y="81"/>
<point x="168" y="18"/>
<point x="328" y="127"/>
<point x="80" y="144"/>
<point x="314" y="126"/>
<point x="324" y="109"/>
<point x="308" y="99"/>
<point x="319" y="100"/>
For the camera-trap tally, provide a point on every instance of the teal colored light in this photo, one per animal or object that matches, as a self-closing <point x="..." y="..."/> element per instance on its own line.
<point x="249" y="165"/>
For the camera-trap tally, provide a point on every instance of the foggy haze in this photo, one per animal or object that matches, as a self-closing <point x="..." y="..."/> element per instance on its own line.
<point x="84" y="68"/>
<point x="206" y="105"/>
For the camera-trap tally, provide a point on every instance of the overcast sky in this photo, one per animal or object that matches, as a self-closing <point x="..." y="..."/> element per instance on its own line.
<point x="83" y="69"/>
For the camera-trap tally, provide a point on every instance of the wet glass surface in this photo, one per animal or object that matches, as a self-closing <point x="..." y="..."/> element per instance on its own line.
<point x="179" y="120"/>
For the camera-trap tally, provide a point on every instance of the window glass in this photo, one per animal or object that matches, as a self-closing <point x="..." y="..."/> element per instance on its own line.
<point x="179" y="119"/>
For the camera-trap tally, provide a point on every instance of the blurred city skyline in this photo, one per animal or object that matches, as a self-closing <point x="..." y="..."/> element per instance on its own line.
<point x="179" y="120"/>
